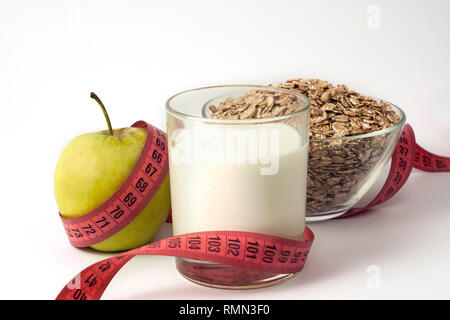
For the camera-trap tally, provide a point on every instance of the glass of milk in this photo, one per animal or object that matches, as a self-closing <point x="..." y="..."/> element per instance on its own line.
<point x="242" y="175"/>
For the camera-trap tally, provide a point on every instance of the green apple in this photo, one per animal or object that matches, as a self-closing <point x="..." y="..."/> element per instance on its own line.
<point x="92" y="167"/>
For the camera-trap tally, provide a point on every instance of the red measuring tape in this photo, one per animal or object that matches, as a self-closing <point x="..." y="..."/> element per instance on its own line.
<point x="407" y="154"/>
<point x="273" y="254"/>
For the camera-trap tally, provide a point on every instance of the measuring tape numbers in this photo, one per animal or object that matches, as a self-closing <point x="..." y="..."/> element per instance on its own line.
<point x="250" y="250"/>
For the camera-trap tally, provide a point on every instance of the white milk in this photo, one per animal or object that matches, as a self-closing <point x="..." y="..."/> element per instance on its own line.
<point x="249" y="194"/>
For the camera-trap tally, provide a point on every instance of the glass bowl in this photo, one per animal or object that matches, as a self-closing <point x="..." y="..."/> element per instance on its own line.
<point x="342" y="170"/>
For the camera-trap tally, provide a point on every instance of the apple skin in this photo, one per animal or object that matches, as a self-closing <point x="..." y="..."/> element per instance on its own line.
<point x="92" y="167"/>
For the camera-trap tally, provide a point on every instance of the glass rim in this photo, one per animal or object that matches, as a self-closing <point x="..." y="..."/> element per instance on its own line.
<point x="392" y="128"/>
<point x="174" y="112"/>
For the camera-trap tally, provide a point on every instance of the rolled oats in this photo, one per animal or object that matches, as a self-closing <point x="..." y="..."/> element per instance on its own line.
<point x="337" y="168"/>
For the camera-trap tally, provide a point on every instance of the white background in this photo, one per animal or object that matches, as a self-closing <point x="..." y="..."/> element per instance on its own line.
<point x="135" y="54"/>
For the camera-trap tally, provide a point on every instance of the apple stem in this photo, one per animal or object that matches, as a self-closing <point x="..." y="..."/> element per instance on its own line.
<point x="96" y="98"/>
